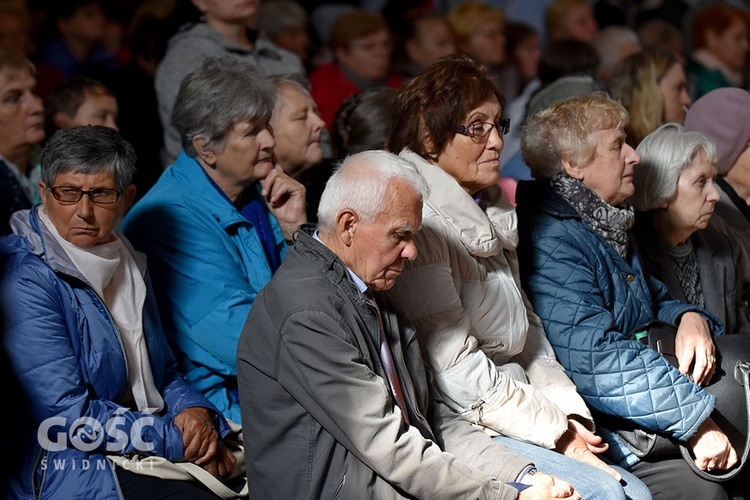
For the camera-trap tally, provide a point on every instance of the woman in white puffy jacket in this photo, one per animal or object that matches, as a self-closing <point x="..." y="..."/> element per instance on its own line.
<point x="479" y="335"/>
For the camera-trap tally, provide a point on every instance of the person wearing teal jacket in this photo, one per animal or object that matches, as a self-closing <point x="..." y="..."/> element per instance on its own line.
<point x="216" y="223"/>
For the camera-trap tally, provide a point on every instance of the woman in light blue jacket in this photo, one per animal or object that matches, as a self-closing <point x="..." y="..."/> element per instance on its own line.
<point x="216" y="223"/>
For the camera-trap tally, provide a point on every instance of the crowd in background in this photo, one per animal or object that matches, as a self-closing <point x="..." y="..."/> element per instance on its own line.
<point x="139" y="51"/>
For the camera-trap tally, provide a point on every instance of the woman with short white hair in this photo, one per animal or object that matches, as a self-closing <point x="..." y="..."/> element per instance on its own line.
<point x="693" y="253"/>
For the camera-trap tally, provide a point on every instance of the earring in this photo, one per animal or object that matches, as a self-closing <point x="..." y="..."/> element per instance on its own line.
<point x="432" y="155"/>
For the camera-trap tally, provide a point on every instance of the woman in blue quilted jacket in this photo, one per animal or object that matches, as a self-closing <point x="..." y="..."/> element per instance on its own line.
<point x="84" y="343"/>
<point x="589" y="288"/>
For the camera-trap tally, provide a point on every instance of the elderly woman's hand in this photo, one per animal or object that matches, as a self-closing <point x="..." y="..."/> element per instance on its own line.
<point x="286" y="200"/>
<point x="198" y="434"/>
<point x="712" y="448"/>
<point x="694" y="346"/>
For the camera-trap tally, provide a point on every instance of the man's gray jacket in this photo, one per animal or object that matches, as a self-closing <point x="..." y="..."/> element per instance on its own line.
<point x="318" y="417"/>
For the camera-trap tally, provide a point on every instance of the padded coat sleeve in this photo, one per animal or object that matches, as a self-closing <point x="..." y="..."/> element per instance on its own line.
<point x="589" y="302"/>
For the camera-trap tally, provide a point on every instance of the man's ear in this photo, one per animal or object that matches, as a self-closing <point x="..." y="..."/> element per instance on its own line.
<point x="573" y="170"/>
<point x="205" y="152"/>
<point x="346" y="222"/>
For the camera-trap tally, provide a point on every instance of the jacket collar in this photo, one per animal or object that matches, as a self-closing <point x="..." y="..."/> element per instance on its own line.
<point x="40" y="242"/>
<point x="188" y="172"/>
<point x="328" y="263"/>
<point x="486" y="228"/>
<point x="538" y="195"/>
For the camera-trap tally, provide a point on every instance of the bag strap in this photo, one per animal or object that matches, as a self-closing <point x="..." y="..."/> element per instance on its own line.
<point x="742" y="375"/>
<point x="211" y="482"/>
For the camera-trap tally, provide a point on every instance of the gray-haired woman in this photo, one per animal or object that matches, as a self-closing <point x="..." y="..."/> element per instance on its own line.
<point x="590" y="290"/>
<point x="83" y="339"/>
<point x="693" y="253"/>
<point x="216" y="223"/>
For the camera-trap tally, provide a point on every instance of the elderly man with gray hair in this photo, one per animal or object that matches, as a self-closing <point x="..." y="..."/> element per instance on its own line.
<point x="334" y="396"/>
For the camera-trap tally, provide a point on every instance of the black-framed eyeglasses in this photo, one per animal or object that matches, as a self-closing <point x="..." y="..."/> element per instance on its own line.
<point x="101" y="196"/>
<point x="481" y="130"/>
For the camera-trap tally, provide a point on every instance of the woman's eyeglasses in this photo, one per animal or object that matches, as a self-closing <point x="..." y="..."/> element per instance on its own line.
<point x="482" y="130"/>
<point x="101" y="196"/>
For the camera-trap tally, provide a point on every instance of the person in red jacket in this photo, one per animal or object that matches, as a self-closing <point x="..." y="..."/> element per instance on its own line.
<point x="361" y="47"/>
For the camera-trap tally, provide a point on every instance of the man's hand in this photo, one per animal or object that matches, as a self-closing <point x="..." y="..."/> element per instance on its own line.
<point x="694" y="344"/>
<point x="580" y="444"/>
<point x="285" y="198"/>
<point x="545" y="486"/>
<point x="712" y="448"/>
<point x="198" y="434"/>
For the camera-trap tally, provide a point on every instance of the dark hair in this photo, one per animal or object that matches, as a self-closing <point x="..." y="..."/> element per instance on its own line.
<point x="68" y="97"/>
<point x="363" y="121"/>
<point x="88" y="150"/>
<point x="354" y="25"/>
<point x="567" y="57"/>
<point x="436" y="101"/>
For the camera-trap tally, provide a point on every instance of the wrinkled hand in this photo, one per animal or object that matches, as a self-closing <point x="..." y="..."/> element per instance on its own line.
<point x="546" y="486"/>
<point x="712" y="448"/>
<point x="198" y="434"/>
<point x="693" y="344"/>
<point x="580" y="444"/>
<point x="285" y="198"/>
<point x="222" y="465"/>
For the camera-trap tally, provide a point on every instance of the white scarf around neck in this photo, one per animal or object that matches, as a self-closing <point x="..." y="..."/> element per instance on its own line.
<point x="115" y="277"/>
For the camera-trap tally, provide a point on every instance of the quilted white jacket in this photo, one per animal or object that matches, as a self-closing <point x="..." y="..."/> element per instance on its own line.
<point x="478" y="332"/>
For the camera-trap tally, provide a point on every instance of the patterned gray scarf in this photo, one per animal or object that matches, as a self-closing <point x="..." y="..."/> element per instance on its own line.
<point x="611" y="223"/>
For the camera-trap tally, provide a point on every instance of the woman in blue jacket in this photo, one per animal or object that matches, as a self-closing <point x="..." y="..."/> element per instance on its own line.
<point x="589" y="289"/>
<point x="84" y="343"/>
<point x="215" y="225"/>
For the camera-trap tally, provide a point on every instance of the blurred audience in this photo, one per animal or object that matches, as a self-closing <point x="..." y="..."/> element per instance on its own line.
<point x="21" y="133"/>
<point x="284" y="22"/>
<point x="422" y="37"/>
<point x="570" y="19"/>
<point x="652" y="87"/>
<point x="613" y="44"/>
<point x="361" y="46"/>
<point x="77" y="46"/>
<point x="133" y="85"/>
<point x="363" y="122"/>
<point x="720" y="45"/>
<point x="722" y="115"/>
<point x="658" y="34"/>
<point x="223" y="31"/>
<point x="16" y="36"/>
<point x="80" y="101"/>
<point x="523" y="50"/>
<point x="479" y="30"/>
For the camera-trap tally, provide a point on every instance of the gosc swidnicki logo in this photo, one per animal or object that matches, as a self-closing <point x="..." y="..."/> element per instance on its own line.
<point x="87" y="434"/>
